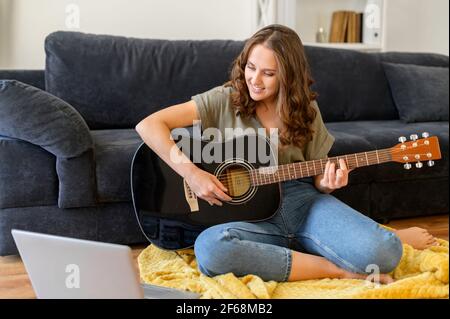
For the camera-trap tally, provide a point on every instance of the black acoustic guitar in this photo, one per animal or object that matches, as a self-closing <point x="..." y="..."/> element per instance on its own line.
<point x="171" y="216"/>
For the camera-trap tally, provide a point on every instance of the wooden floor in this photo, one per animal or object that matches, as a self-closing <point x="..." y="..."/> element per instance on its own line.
<point x="14" y="282"/>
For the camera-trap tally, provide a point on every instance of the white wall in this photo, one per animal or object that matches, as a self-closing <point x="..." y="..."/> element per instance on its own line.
<point x="5" y="32"/>
<point x="417" y="25"/>
<point x="32" y="20"/>
<point x="411" y="25"/>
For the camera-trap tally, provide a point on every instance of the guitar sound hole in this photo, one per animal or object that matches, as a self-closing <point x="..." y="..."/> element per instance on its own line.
<point x="236" y="179"/>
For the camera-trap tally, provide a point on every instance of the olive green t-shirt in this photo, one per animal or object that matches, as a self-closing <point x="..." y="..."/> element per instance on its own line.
<point x="216" y="110"/>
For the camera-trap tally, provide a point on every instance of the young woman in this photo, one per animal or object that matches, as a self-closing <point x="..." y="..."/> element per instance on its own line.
<point x="313" y="235"/>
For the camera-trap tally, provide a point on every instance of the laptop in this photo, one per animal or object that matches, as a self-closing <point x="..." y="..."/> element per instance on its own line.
<point x="69" y="268"/>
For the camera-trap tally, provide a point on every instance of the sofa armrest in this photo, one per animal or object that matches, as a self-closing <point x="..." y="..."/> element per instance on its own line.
<point x="30" y="114"/>
<point x="27" y="175"/>
<point x="35" y="78"/>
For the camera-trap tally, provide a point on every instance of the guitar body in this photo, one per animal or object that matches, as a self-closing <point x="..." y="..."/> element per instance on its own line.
<point x="170" y="215"/>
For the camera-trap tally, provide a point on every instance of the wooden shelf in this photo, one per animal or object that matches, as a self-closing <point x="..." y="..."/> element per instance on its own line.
<point x="306" y="17"/>
<point x="310" y="15"/>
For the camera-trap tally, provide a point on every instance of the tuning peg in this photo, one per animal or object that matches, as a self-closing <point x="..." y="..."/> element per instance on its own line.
<point x="402" y="139"/>
<point x="419" y="165"/>
<point x="430" y="163"/>
<point x="407" y="166"/>
<point x="413" y="137"/>
<point x="425" y="135"/>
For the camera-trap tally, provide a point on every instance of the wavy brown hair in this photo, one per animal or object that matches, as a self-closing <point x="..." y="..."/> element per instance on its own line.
<point x="294" y="94"/>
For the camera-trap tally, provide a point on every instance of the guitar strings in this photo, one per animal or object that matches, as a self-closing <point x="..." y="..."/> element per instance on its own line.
<point x="351" y="161"/>
<point x="382" y="156"/>
<point x="284" y="173"/>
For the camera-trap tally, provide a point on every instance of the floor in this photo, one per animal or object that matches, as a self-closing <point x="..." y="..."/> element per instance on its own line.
<point x="14" y="282"/>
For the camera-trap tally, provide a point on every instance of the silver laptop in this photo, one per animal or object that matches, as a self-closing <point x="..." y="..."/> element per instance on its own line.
<point x="69" y="268"/>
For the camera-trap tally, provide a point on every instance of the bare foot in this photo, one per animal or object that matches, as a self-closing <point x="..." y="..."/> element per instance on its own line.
<point x="418" y="238"/>
<point x="383" y="279"/>
<point x="341" y="273"/>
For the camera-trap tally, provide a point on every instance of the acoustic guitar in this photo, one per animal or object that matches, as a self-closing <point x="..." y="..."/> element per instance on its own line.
<point x="171" y="216"/>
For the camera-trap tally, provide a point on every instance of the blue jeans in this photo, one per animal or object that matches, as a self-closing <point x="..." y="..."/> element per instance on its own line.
<point x="307" y="221"/>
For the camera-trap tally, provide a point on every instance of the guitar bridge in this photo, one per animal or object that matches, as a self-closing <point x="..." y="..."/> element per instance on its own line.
<point x="191" y="198"/>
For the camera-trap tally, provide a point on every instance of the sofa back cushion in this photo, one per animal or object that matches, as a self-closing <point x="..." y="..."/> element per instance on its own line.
<point x="420" y="92"/>
<point x="114" y="82"/>
<point x="351" y="85"/>
<point x="416" y="58"/>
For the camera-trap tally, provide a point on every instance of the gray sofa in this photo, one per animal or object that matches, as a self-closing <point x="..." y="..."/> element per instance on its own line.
<point x="67" y="133"/>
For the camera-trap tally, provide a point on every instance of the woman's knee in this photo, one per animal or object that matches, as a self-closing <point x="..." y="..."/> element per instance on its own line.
<point x="212" y="251"/>
<point x="385" y="254"/>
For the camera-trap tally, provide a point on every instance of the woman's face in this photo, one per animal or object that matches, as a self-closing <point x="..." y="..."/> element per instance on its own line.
<point x="261" y="74"/>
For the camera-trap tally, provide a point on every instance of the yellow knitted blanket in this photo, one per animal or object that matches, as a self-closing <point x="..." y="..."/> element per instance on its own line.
<point x="420" y="274"/>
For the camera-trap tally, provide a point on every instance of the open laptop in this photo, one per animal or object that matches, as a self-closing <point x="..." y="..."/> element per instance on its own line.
<point x="66" y="268"/>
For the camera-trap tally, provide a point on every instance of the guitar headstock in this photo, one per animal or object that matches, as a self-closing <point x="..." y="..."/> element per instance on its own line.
<point x="417" y="150"/>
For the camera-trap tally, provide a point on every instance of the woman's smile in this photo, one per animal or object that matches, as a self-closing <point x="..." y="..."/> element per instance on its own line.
<point x="256" y="90"/>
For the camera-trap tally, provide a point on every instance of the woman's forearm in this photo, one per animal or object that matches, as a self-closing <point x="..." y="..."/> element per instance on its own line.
<point x="156" y="134"/>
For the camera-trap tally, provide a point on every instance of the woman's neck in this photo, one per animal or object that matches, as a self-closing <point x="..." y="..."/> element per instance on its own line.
<point x="266" y="107"/>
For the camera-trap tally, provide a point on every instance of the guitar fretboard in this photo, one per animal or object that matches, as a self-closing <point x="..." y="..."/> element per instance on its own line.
<point x="280" y="173"/>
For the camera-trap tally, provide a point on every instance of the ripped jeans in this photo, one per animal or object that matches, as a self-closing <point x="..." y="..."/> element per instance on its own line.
<point x="307" y="221"/>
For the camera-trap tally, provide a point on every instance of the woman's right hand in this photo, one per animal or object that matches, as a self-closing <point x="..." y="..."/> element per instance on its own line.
<point x="207" y="187"/>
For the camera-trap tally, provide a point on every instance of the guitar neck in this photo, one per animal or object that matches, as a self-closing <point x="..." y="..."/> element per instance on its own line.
<point x="286" y="172"/>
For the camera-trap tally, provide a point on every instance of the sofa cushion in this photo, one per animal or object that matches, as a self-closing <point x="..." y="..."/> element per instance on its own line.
<point x="114" y="150"/>
<point x="420" y="92"/>
<point x="31" y="114"/>
<point x="372" y="135"/>
<point x="114" y="82"/>
<point x="351" y="85"/>
<point x="77" y="184"/>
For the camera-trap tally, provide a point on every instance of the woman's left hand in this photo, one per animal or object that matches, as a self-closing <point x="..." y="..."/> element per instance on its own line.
<point x="333" y="179"/>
